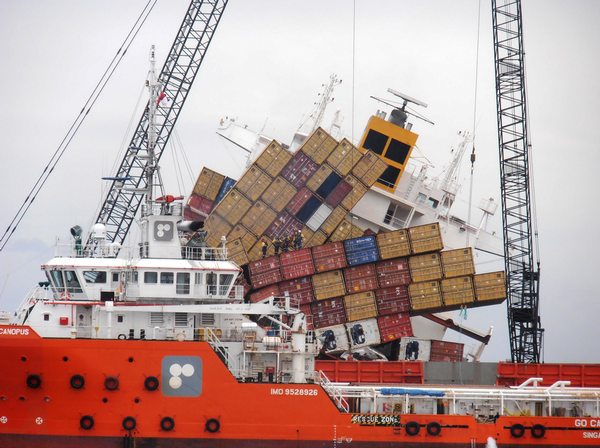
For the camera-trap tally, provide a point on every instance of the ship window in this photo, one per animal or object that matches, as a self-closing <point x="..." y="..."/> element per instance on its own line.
<point x="183" y="283"/>
<point x="375" y="141"/>
<point x="73" y="285"/>
<point x="94" y="276"/>
<point x="166" y="277"/>
<point x="57" y="278"/>
<point x="115" y="276"/>
<point x="181" y="319"/>
<point x="390" y="176"/>
<point x="433" y="203"/>
<point x="120" y="318"/>
<point x="211" y="283"/>
<point x="224" y="283"/>
<point x="150" y="277"/>
<point x="134" y="276"/>
<point x="46" y="317"/>
<point x="397" y="151"/>
<point x="156" y="319"/>
<point x="389" y="216"/>
<point x="421" y="198"/>
<point x="207" y="319"/>
<point x="198" y="278"/>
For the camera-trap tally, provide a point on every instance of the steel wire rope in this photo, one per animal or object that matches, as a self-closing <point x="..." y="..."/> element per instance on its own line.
<point x="76" y="125"/>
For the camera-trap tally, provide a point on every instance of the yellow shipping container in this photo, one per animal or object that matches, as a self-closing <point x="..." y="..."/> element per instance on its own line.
<point x="236" y="252"/>
<point x="360" y="306"/>
<point x="253" y="183"/>
<point x="425" y="238"/>
<point x="490" y="288"/>
<point x="215" y="227"/>
<point x="247" y="237"/>
<point x="233" y="206"/>
<point x="334" y="220"/>
<point x="345" y="231"/>
<point x="393" y="244"/>
<point x="358" y="191"/>
<point x="308" y="234"/>
<point x="278" y="194"/>
<point x="457" y="292"/>
<point x="328" y="285"/>
<point x="425" y="296"/>
<point x="208" y="184"/>
<point x="256" y="252"/>
<point x="273" y="158"/>
<point x="319" y="237"/>
<point x="344" y="157"/>
<point x="319" y="177"/>
<point x="369" y="168"/>
<point x="457" y="262"/>
<point x="259" y="218"/>
<point x="318" y="145"/>
<point x="425" y="267"/>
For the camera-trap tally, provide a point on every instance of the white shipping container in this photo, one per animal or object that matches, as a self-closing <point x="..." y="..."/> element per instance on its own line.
<point x="319" y="217"/>
<point x="336" y="338"/>
<point x="363" y="333"/>
<point x="407" y="352"/>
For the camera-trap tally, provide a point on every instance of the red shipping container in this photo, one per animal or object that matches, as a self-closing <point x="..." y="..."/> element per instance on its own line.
<point x="299" y="200"/>
<point x="329" y="257"/>
<point x="272" y="290"/>
<point x="299" y="289"/>
<point x="200" y="205"/>
<point x="264" y="272"/>
<point x="361" y="278"/>
<point x="338" y="194"/>
<point x="392" y="300"/>
<point x="297" y="263"/>
<point x="309" y="317"/>
<point x="299" y="170"/>
<point x="394" y="326"/>
<point x="393" y="272"/>
<point x="443" y="351"/>
<point x="190" y="215"/>
<point x="327" y="313"/>
<point x="284" y="225"/>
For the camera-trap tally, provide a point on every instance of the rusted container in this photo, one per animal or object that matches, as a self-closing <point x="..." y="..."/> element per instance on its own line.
<point x="328" y="312"/>
<point x="361" y="250"/>
<point x="273" y="158"/>
<point x="334" y="220"/>
<point x="393" y="244"/>
<point x="344" y="157"/>
<point x="264" y="293"/>
<point x="236" y="252"/>
<point x="356" y="194"/>
<point x="299" y="169"/>
<point x="200" y="205"/>
<point x="298" y="201"/>
<point x="248" y="238"/>
<point x="360" y="278"/>
<point x="393" y="272"/>
<point x="216" y="227"/>
<point x="278" y="194"/>
<point x="392" y="300"/>
<point x="490" y="288"/>
<point x="335" y="337"/>
<point x="208" y="184"/>
<point x="360" y="306"/>
<point x="318" y="145"/>
<point x="305" y="308"/>
<point x="363" y="333"/>
<point x="318" y="238"/>
<point x="425" y="238"/>
<point x="345" y="231"/>
<point x="338" y="194"/>
<point x="264" y="272"/>
<point x="425" y="297"/>
<point x="458" y="262"/>
<point x="233" y="206"/>
<point x="284" y="225"/>
<point x="329" y="257"/>
<point x="253" y="183"/>
<point x="190" y="215"/>
<point x="259" y="218"/>
<point x="319" y="177"/>
<point x="299" y="289"/>
<point x="297" y="263"/>
<point x="457" y="292"/>
<point x="394" y="326"/>
<point x="255" y="253"/>
<point x="425" y="267"/>
<point x="369" y="168"/>
<point x="442" y="351"/>
<point x="328" y="285"/>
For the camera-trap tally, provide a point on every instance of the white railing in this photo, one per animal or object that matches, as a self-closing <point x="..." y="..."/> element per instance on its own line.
<point x="333" y="392"/>
<point x="130" y="252"/>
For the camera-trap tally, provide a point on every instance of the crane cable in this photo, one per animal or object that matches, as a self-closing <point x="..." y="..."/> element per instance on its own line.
<point x="76" y="124"/>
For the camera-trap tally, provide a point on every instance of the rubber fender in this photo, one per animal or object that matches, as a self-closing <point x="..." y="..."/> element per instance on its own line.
<point x="129" y="423"/>
<point x="86" y="422"/>
<point x="151" y="383"/>
<point x="77" y="381"/>
<point x="434" y="428"/>
<point x="412" y="428"/>
<point x="517" y="430"/>
<point x="167" y="423"/>
<point x="538" y="431"/>
<point x="111" y="383"/>
<point x="34" y="381"/>
<point x="212" y="425"/>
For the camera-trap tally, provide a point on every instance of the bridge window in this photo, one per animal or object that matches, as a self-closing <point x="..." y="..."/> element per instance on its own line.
<point x="94" y="276"/>
<point x="57" y="278"/>
<point x="224" y="283"/>
<point x="183" y="283"/>
<point x="150" y="277"/>
<point x="166" y="277"/>
<point x="198" y="278"/>
<point x="72" y="282"/>
<point x="211" y="283"/>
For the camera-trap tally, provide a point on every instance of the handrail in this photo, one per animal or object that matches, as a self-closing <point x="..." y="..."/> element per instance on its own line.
<point x="333" y="392"/>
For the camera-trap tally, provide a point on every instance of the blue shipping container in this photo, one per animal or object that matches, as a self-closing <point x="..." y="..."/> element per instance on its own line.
<point x="228" y="184"/>
<point x="361" y="250"/>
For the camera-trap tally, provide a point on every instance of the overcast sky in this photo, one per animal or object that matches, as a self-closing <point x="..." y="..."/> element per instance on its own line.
<point x="265" y="67"/>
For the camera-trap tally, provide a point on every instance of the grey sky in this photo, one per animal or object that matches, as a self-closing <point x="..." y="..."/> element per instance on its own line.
<point x="266" y="64"/>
